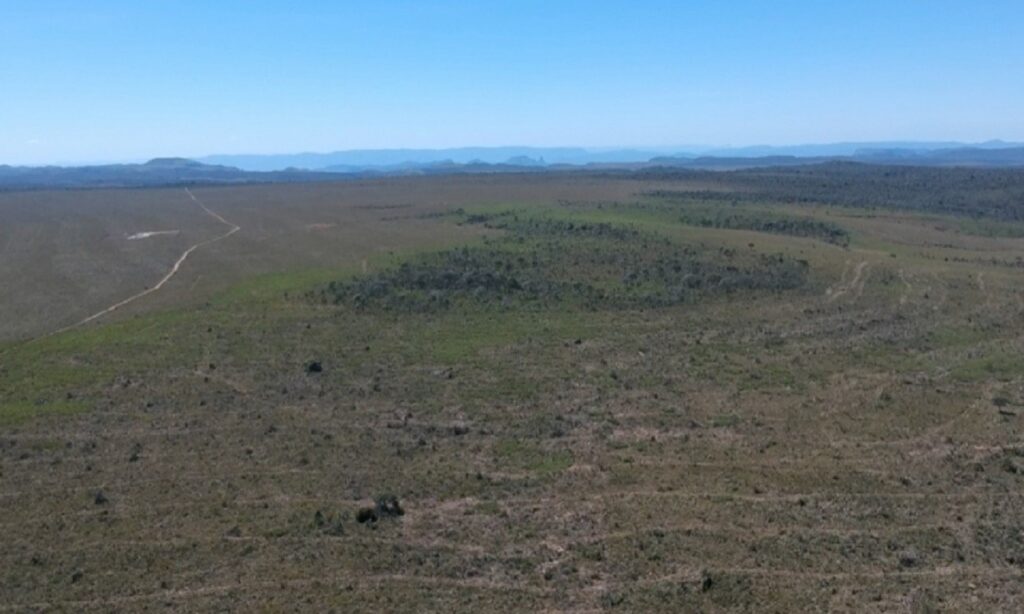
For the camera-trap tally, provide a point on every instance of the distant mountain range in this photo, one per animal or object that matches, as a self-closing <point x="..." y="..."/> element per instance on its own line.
<point x="393" y="159"/>
<point x="389" y="160"/>
<point x="960" y="156"/>
<point x="374" y="163"/>
<point x="848" y="148"/>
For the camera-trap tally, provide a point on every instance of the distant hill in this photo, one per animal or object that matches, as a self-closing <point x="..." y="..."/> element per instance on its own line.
<point x="959" y="156"/>
<point x="847" y="149"/>
<point x="183" y="171"/>
<point x="735" y="162"/>
<point x="156" y="172"/>
<point x="177" y="163"/>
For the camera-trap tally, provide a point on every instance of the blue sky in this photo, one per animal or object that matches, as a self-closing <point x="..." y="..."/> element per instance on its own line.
<point x="123" y="80"/>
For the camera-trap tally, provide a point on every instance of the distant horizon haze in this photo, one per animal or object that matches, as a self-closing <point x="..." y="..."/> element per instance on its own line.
<point x="119" y="81"/>
<point x="992" y="153"/>
<point x="497" y="153"/>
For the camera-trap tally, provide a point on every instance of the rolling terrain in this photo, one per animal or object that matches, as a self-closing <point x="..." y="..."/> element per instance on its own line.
<point x="669" y="390"/>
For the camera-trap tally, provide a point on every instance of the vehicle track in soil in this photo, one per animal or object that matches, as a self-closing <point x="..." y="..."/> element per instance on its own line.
<point x="170" y="274"/>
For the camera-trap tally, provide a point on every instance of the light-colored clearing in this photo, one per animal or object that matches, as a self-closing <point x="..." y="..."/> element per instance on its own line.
<point x="152" y="233"/>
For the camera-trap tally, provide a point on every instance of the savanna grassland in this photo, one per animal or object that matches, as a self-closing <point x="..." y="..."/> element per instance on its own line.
<point x="780" y="391"/>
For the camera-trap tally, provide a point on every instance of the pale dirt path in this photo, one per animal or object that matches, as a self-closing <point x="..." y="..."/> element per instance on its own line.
<point x="909" y="287"/>
<point x="169" y="275"/>
<point x="986" y="292"/>
<point x="854" y="285"/>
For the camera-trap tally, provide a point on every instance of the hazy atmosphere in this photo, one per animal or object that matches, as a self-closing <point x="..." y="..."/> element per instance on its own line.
<point x="88" y="82"/>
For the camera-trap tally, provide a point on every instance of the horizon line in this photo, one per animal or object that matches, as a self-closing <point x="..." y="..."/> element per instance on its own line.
<point x="677" y="149"/>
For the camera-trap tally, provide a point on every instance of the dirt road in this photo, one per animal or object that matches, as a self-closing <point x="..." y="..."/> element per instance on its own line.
<point x="174" y="269"/>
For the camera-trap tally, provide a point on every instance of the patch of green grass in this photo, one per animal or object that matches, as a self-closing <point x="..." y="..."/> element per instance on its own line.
<point x="83" y="360"/>
<point x="489" y="508"/>
<point x="461" y="336"/>
<point x="35" y="375"/>
<point x="1002" y="365"/>
<point x="988" y="227"/>
<point x="276" y="285"/>
<point x="771" y="376"/>
<point x="530" y="457"/>
<point x="12" y="413"/>
<point x="136" y="331"/>
<point x="725" y="421"/>
<point x="956" y="336"/>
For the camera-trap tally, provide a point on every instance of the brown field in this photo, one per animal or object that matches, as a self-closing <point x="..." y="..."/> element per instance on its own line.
<point x="66" y="254"/>
<point x="848" y="443"/>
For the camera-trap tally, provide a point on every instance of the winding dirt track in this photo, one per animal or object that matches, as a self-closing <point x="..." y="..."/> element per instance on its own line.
<point x="854" y="285"/>
<point x="170" y="274"/>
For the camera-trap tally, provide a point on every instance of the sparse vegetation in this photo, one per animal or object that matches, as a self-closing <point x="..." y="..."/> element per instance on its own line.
<point x="546" y="393"/>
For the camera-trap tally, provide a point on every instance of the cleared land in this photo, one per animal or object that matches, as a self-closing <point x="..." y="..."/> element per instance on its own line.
<point x="674" y="392"/>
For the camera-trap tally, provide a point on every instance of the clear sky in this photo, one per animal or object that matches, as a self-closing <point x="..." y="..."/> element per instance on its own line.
<point x="103" y="80"/>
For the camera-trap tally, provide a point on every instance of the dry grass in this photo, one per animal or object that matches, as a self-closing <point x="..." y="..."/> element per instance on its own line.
<point x="858" y="449"/>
